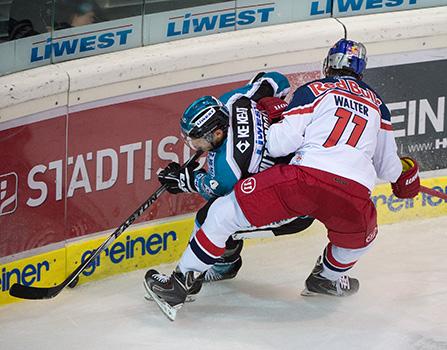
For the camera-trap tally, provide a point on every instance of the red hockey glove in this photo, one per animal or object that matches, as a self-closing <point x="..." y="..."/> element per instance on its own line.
<point x="273" y="108"/>
<point x="408" y="183"/>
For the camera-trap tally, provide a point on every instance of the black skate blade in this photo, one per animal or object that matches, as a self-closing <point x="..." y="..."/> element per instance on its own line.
<point x="189" y="298"/>
<point x="307" y="293"/>
<point x="169" y="311"/>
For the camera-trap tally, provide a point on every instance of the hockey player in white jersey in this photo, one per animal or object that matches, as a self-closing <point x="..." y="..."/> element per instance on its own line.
<point x="341" y="134"/>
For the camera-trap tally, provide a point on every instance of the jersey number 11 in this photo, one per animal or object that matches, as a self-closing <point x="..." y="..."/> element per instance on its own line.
<point x="344" y="116"/>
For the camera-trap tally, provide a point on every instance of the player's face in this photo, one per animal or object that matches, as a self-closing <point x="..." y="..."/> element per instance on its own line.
<point x="199" y="144"/>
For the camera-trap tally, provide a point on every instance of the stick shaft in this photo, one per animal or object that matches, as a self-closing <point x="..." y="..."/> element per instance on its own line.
<point x="29" y="292"/>
<point x="433" y="192"/>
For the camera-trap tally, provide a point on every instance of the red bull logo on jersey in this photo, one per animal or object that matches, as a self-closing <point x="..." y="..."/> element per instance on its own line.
<point x="318" y="88"/>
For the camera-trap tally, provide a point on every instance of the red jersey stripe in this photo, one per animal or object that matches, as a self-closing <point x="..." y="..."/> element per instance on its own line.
<point x="386" y="126"/>
<point x="304" y="110"/>
<point x="207" y="245"/>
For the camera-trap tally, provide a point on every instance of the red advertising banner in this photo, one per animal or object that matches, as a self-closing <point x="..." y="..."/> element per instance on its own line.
<point x="31" y="174"/>
<point x="87" y="171"/>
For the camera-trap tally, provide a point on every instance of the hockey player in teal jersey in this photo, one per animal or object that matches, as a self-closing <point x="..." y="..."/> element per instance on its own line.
<point x="232" y="130"/>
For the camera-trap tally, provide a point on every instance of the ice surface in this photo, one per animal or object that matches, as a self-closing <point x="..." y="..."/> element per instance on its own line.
<point x="402" y="303"/>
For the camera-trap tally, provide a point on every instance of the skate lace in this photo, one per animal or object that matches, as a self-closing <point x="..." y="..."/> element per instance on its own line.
<point x="343" y="282"/>
<point x="212" y="275"/>
<point x="160" y="277"/>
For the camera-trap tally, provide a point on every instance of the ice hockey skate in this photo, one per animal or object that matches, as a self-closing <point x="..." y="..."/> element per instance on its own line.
<point x="316" y="284"/>
<point x="170" y="292"/>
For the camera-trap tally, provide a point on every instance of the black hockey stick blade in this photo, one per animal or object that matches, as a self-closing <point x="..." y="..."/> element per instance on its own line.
<point x="34" y="293"/>
<point x="38" y="293"/>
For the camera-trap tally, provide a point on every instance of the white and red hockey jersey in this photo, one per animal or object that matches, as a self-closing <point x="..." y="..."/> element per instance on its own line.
<point x="339" y="125"/>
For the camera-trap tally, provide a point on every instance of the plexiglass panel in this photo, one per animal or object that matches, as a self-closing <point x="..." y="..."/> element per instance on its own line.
<point x="39" y="32"/>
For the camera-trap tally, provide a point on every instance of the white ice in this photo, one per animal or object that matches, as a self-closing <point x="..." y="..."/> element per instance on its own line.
<point x="402" y="303"/>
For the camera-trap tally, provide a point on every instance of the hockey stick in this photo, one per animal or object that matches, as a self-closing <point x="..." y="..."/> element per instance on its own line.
<point x="29" y="292"/>
<point x="432" y="192"/>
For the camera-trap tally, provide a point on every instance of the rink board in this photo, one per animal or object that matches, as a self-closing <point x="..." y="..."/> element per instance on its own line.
<point x="138" y="248"/>
<point x="144" y="246"/>
<point x="152" y="245"/>
<point x="391" y="209"/>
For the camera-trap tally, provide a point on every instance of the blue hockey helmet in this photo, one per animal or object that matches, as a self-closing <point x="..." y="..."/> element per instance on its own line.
<point x="203" y="116"/>
<point x="346" y="55"/>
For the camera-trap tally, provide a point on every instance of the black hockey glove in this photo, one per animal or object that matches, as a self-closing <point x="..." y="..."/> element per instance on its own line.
<point x="178" y="180"/>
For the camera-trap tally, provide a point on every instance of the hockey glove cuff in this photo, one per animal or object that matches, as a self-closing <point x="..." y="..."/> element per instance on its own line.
<point x="178" y="180"/>
<point x="273" y="108"/>
<point x="408" y="183"/>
